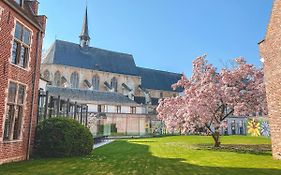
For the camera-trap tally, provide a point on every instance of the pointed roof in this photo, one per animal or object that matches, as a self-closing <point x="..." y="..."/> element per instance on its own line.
<point x="85" y="30"/>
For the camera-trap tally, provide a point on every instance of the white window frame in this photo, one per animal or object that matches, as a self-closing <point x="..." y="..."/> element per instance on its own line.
<point x="24" y="107"/>
<point x="27" y="68"/>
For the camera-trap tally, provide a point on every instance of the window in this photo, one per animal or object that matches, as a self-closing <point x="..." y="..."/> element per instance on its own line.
<point x="118" y="109"/>
<point x="101" y="108"/>
<point x="20" y="2"/>
<point x="74" y="80"/>
<point x="133" y="110"/>
<point x="161" y="94"/>
<point x="57" y="79"/>
<point x="46" y="75"/>
<point x="1" y="11"/>
<point x="14" y="114"/>
<point x="233" y="127"/>
<point x="96" y="82"/>
<point x="114" y="84"/>
<point x="21" y="46"/>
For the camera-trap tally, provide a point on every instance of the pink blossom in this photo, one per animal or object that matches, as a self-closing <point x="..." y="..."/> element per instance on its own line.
<point x="210" y="96"/>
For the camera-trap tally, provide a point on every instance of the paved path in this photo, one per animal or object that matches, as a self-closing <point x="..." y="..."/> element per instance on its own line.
<point x="103" y="143"/>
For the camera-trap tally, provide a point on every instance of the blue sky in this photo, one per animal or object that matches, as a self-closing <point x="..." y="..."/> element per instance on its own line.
<point x="164" y="34"/>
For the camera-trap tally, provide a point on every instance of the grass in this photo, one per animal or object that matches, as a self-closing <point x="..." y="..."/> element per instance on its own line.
<point x="164" y="155"/>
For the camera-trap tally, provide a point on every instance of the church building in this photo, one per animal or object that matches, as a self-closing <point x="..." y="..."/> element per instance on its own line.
<point x="109" y="82"/>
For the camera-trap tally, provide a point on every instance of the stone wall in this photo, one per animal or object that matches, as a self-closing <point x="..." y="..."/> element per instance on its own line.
<point x="85" y="74"/>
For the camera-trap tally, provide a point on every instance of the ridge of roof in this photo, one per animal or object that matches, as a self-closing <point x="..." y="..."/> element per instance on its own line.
<point x="157" y="70"/>
<point x="91" y="47"/>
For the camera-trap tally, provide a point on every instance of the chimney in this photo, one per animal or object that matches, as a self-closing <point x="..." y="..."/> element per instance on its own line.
<point x="33" y="4"/>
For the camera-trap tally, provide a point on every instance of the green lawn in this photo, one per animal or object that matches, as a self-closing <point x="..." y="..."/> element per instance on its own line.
<point x="188" y="155"/>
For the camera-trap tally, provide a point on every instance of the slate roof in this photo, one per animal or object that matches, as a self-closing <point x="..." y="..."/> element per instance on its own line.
<point x="71" y="54"/>
<point x="141" y="100"/>
<point x="89" y="95"/>
<point x="156" y="79"/>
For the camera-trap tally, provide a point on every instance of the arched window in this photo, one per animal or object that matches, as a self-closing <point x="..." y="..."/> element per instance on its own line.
<point x="46" y="75"/>
<point x="74" y="80"/>
<point x="57" y="79"/>
<point x="96" y="82"/>
<point x="114" y="84"/>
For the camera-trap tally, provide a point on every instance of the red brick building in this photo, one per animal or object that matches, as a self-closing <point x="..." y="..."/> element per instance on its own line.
<point x="270" y="50"/>
<point x="21" y="35"/>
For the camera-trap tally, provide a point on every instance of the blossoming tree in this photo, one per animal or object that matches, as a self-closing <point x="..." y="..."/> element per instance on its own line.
<point x="209" y="97"/>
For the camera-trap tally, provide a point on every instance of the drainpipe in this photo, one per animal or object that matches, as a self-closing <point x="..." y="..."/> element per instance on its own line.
<point x="33" y="94"/>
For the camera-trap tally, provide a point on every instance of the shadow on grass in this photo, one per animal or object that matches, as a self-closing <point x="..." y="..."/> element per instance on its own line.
<point x="122" y="157"/>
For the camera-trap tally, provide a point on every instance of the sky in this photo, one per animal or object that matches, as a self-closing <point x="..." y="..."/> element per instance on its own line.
<point x="164" y="34"/>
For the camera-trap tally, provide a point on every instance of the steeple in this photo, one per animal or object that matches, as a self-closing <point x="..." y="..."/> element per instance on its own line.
<point x="84" y="37"/>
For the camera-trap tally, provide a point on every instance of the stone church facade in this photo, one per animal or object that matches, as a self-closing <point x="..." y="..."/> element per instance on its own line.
<point x="113" y="83"/>
<point x="21" y="35"/>
<point x="270" y="51"/>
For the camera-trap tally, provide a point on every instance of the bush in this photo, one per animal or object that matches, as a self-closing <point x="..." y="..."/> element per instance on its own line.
<point x="62" y="137"/>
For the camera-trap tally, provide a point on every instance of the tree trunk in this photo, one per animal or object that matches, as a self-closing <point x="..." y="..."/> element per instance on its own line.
<point x="216" y="137"/>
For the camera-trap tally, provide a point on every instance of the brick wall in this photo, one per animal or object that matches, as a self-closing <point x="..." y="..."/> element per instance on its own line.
<point x="270" y="50"/>
<point x="16" y="150"/>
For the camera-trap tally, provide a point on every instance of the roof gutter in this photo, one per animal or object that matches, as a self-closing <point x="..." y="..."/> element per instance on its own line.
<point x="22" y="14"/>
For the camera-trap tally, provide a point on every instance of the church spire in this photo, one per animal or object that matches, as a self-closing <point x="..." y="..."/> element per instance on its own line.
<point x="84" y="37"/>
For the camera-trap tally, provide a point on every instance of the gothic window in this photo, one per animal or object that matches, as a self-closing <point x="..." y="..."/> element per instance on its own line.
<point x="57" y="79"/>
<point x="114" y="84"/>
<point x="96" y="82"/>
<point x="74" y="80"/>
<point x="21" y="46"/>
<point x="46" y="75"/>
<point x="14" y="114"/>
